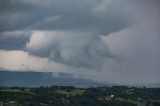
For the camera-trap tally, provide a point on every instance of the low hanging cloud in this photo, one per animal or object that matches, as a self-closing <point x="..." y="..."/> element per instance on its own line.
<point x="14" y="40"/>
<point x="104" y="40"/>
<point x="71" y="48"/>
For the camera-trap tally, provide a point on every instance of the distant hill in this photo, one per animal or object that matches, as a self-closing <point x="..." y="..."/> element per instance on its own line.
<point x="36" y="79"/>
<point x="155" y="85"/>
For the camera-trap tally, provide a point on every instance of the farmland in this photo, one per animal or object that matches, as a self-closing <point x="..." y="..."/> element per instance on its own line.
<point x="71" y="96"/>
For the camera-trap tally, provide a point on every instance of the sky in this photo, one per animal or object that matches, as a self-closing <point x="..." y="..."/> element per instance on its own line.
<point x="113" y="41"/>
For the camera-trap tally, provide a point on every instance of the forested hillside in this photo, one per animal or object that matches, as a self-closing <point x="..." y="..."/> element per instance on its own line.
<point x="71" y="96"/>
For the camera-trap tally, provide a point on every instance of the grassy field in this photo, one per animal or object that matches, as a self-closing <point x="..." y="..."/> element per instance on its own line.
<point x="136" y="102"/>
<point x="73" y="92"/>
<point x="8" y="104"/>
<point x="17" y="91"/>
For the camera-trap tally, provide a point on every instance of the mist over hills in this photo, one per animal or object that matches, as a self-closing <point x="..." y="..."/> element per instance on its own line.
<point x="36" y="79"/>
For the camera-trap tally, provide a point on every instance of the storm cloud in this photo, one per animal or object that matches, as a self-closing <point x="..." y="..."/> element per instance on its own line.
<point x="104" y="40"/>
<point x="14" y="40"/>
<point x="60" y="15"/>
<point x="71" y="48"/>
<point x="69" y="35"/>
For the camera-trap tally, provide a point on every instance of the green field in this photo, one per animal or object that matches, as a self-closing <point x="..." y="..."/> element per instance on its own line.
<point x="16" y="91"/>
<point x="73" y="92"/>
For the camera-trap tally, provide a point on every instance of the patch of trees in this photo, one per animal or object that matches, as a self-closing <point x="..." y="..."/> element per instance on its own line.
<point x="101" y="96"/>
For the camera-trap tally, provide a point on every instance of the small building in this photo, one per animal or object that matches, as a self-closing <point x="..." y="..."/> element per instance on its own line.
<point x="111" y="96"/>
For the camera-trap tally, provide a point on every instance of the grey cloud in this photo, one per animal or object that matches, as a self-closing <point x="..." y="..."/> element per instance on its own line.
<point x="70" y="15"/>
<point x="68" y="32"/>
<point x="70" y="48"/>
<point x="81" y="47"/>
<point x="15" y="40"/>
<point x="16" y="15"/>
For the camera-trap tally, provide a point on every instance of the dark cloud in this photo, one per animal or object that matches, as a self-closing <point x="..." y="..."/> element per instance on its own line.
<point x="17" y="15"/>
<point x="21" y="15"/>
<point x="14" y="40"/>
<point x="73" y="34"/>
<point x="88" y="17"/>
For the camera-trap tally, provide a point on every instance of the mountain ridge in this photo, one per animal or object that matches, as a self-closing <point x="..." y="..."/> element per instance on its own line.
<point x="36" y="79"/>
